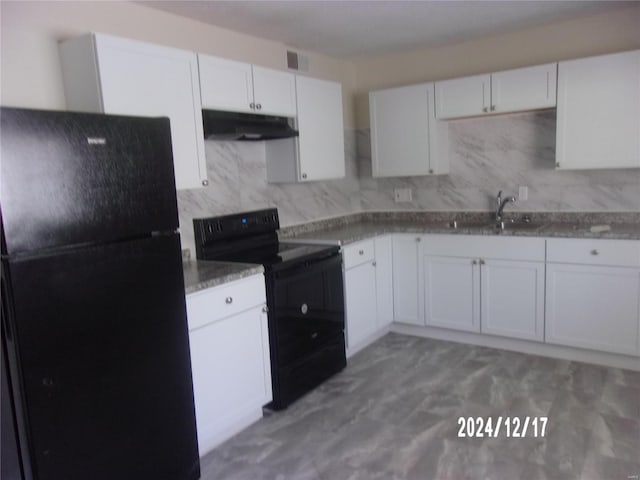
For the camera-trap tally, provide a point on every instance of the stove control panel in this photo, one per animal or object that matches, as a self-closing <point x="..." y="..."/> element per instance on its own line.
<point x="243" y="224"/>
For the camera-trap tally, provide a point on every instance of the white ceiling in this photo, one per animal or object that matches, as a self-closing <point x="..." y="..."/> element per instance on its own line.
<point x="353" y="29"/>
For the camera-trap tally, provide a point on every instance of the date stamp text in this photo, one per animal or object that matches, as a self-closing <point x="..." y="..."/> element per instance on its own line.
<point x="509" y="427"/>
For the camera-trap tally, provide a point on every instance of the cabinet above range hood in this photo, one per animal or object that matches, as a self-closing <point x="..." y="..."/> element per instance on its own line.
<point x="220" y="125"/>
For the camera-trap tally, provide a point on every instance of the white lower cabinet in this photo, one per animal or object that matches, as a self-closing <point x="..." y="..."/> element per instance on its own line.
<point x="512" y="298"/>
<point x="452" y="293"/>
<point x="368" y="290"/>
<point x="498" y="297"/>
<point x="361" y="308"/>
<point x="407" y="279"/>
<point x="230" y="362"/>
<point x="492" y="285"/>
<point x="593" y="296"/>
<point x="384" y="279"/>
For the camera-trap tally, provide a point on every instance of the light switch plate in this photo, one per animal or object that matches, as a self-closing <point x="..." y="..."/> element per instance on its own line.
<point x="402" y="195"/>
<point x="523" y="193"/>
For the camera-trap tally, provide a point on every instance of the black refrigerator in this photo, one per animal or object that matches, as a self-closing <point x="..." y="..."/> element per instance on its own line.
<point x="96" y="371"/>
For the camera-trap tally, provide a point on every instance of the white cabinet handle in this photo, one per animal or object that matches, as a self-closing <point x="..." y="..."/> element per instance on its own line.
<point x="493" y="108"/>
<point x="304" y="175"/>
<point x="228" y="300"/>
<point x="474" y="262"/>
<point x="373" y="263"/>
<point x="595" y="252"/>
<point x="252" y="106"/>
<point x="265" y="309"/>
<point x="258" y="106"/>
<point x="481" y="262"/>
<point x="205" y="182"/>
<point x="485" y="109"/>
<point x="361" y="252"/>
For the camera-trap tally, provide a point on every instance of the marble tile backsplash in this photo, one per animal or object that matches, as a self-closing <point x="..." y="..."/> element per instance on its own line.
<point x="486" y="155"/>
<point x="238" y="182"/>
<point x="500" y="153"/>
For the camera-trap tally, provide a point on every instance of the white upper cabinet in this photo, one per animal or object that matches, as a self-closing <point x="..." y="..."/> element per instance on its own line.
<point x="598" y="119"/>
<point x="241" y="87"/>
<point x="463" y="97"/>
<point x="121" y="76"/>
<point x="522" y="89"/>
<point x="318" y="153"/>
<point x="321" y="128"/>
<point x="225" y="84"/>
<point x="406" y="138"/>
<point x="274" y="92"/>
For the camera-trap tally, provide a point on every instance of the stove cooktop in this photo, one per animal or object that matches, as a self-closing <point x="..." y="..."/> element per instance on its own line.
<point x="279" y="254"/>
<point x="251" y="237"/>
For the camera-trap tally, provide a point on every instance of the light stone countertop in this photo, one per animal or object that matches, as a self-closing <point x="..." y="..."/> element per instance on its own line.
<point x="201" y="274"/>
<point x="353" y="228"/>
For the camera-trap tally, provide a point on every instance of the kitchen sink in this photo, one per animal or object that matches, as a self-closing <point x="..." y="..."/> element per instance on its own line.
<point x="523" y="223"/>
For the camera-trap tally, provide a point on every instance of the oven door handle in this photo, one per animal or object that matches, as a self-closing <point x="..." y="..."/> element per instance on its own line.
<point x="310" y="266"/>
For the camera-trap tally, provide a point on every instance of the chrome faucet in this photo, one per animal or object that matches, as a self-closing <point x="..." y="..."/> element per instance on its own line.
<point x="500" y="204"/>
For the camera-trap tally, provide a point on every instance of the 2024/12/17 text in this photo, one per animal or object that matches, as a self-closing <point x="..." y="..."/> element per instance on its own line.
<point x="510" y="427"/>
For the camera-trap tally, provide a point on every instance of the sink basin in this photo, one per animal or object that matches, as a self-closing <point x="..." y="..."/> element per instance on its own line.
<point x="521" y="225"/>
<point x="509" y="225"/>
<point x="467" y="225"/>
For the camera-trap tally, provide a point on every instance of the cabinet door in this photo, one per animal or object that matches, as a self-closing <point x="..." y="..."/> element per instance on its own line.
<point x="361" y="311"/>
<point x="528" y="88"/>
<point x="384" y="280"/>
<point x="512" y="299"/>
<point x="598" y="117"/>
<point x="593" y="307"/>
<point x="400" y="129"/>
<point x="321" y="141"/>
<point x="407" y="280"/>
<point x="231" y="374"/>
<point x="452" y="293"/>
<point x="274" y="92"/>
<point x="463" y="97"/>
<point x="226" y="84"/>
<point x="148" y="80"/>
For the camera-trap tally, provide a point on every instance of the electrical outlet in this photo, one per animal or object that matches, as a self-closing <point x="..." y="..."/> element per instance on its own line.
<point x="402" y="195"/>
<point x="523" y="193"/>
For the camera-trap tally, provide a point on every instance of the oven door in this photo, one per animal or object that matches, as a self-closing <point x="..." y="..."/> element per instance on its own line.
<point x="306" y="308"/>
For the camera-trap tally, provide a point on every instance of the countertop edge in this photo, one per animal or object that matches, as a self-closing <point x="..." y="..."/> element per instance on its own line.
<point x="201" y="275"/>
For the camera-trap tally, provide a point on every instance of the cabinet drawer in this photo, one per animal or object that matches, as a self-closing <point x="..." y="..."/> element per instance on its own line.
<point x="623" y="253"/>
<point x="358" y="253"/>
<point x="210" y="305"/>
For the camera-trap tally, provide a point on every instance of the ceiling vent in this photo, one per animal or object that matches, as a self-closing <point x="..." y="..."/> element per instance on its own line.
<point x="296" y="61"/>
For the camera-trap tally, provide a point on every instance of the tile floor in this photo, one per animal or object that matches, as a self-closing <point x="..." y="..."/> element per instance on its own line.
<point x="392" y="414"/>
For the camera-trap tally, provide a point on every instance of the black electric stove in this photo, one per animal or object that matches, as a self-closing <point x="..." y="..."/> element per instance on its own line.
<point x="305" y="296"/>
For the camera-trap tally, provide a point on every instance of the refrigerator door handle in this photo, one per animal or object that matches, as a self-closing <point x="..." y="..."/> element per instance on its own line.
<point x="5" y="311"/>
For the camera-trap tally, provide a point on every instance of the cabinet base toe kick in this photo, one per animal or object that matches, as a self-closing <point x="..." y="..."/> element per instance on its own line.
<point x="522" y="346"/>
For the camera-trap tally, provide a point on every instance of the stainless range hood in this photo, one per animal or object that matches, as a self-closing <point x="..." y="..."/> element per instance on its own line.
<point x="219" y="125"/>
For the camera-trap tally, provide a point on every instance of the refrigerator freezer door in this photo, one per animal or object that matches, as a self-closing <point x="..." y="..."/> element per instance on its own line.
<point x="71" y="178"/>
<point x="99" y="336"/>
